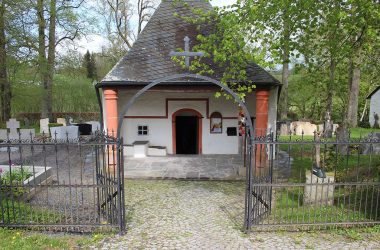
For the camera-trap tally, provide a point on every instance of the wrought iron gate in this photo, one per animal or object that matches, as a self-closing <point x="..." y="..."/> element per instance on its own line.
<point x="74" y="185"/>
<point x="110" y="180"/>
<point x="259" y="171"/>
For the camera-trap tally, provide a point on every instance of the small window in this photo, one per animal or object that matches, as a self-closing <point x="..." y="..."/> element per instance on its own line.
<point x="142" y="130"/>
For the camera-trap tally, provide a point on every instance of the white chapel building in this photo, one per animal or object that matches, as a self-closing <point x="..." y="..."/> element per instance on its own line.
<point x="182" y="116"/>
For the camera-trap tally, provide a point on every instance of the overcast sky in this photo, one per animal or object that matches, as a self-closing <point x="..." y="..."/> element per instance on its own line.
<point x="94" y="43"/>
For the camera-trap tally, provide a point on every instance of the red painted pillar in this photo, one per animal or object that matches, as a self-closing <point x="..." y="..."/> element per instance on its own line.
<point x="110" y="97"/>
<point x="261" y="127"/>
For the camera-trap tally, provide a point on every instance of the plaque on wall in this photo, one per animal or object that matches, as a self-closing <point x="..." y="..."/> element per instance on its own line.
<point x="231" y="131"/>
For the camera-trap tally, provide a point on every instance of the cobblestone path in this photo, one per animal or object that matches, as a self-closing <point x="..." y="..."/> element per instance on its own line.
<point x="205" y="215"/>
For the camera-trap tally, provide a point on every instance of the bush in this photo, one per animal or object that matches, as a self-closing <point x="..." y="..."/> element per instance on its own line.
<point x="52" y="125"/>
<point x="364" y="124"/>
<point x="14" y="179"/>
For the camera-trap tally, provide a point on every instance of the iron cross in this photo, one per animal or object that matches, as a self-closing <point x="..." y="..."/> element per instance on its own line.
<point x="187" y="53"/>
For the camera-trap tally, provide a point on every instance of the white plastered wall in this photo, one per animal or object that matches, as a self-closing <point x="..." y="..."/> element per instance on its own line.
<point x="160" y="129"/>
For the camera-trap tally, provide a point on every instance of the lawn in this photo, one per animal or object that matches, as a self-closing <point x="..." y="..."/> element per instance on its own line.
<point x="21" y="239"/>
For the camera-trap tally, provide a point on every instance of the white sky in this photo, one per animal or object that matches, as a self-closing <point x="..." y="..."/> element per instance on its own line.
<point x="94" y="42"/>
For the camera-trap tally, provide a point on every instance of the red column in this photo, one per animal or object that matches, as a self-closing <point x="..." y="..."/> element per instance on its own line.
<point x="110" y="97"/>
<point x="262" y="97"/>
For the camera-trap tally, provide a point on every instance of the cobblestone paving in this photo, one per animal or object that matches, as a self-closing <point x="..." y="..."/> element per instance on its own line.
<point x="204" y="215"/>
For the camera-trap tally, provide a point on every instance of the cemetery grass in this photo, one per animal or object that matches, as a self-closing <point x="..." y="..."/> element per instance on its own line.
<point x="22" y="239"/>
<point x="289" y="203"/>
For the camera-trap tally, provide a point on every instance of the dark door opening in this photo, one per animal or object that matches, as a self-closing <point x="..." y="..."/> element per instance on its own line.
<point x="187" y="134"/>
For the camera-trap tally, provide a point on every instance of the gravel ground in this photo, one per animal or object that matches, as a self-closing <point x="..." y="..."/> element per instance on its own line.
<point x="207" y="215"/>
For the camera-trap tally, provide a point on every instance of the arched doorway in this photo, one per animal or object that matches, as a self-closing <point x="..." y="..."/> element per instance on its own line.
<point x="187" y="132"/>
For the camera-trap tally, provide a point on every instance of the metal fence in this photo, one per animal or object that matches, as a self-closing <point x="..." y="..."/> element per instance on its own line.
<point x="304" y="182"/>
<point x="62" y="185"/>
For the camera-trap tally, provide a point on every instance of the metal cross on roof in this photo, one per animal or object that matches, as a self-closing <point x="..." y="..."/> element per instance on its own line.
<point x="187" y="53"/>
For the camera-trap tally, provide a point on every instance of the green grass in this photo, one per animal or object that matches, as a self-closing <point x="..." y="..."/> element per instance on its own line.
<point x="13" y="239"/>
<point x="289" y="207"/>
<point x="19" y="212"/>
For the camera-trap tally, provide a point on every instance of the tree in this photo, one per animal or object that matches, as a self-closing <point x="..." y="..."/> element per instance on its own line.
<point x="145" y="10"/>
<point x="48" y="17"/>
<point x="89" y="64"/>
<point x="5" y="87"/>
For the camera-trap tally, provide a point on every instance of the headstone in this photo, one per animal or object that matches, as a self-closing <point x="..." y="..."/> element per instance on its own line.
<point x="61" y="121"/>
<point x="64" y="132"/>
<point x="320" y="127"/>
<point x="44" y="126"/>
<point x="372" y="148"/>
<point x="84" y="128"/>
<point x="335" y="127"/>
<point x="27" y="134"/>
<point x="13" y="126"/>
<point x="3" y="134"/>
<point x="95" y="126"/>
<point x="307" y="128"/>
<point x="26" y="122"/>
<point x="284" y="129"/>
<point x="319" y="191"/>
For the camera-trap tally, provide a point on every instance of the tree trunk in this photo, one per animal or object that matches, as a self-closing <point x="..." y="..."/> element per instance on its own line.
<point x="328" y="123"/>
<point x="5" y="87"/>
<point x="42" y="62"/>
<point x="352" y="106"/>
<point x="285" y="70"/>
<point x="46" y="64"/>
<point x="51" y="58"/>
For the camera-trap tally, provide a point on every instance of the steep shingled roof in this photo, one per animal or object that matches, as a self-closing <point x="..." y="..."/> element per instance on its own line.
<point x="149" y="59"/>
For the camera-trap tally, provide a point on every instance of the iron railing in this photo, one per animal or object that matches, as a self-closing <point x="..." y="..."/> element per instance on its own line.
<point x="62" y="185"/>
<point x="283" y="189"/>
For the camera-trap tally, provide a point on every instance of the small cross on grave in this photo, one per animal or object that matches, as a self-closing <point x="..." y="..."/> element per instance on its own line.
<point x="13" y="125"/>
<point x="187" y="53"/>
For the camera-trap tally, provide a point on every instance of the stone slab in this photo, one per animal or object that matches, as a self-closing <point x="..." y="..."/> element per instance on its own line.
<point x="306" y="127"/>
<point x="61" y="121"/>
<point x="3" y="134"/>
<point x="27" y="134"/>
<point x="95" y="126"/>
<point x="64" y="133"/>
<point x="317" y="191"/>
<point x="44" y="126"/>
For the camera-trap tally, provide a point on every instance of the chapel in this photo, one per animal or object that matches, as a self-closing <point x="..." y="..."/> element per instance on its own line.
<point x="180" y="116"/>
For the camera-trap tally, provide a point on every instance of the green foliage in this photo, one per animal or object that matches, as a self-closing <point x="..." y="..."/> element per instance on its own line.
<point x="89" y="64"/>
<point x="12" y="239"/>
<point x="14" y="178"/>
<point x="51" y="125"/>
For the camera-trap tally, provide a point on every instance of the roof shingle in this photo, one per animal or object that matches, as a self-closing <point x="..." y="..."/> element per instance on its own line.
<point x="149" y="59"/>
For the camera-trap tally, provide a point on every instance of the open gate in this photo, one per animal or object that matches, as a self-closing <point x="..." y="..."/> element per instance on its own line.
<point x="259" y="167"/>
<point x="110" y="181"/>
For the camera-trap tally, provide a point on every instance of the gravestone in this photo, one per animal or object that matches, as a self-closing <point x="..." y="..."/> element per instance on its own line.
<point x="95" y="126"/>
<point x="3" y="134"/>
<point x="44" y="126"/>
<point x="284" y="129"/>
<point x="64" y="133"/>
<point x="61" y="121"/>
<point x="27" y="134"/>
<point x="307" y="128"/>
<point x="319" y="191"/>
<point x="335" y="127"/>
<point x="13" y="126"/>
<point x="372" y="148"/>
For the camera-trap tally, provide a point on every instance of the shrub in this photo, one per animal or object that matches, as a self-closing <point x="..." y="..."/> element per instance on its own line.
<point x="52" y="125"/>
<point x="14" y="178"/>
